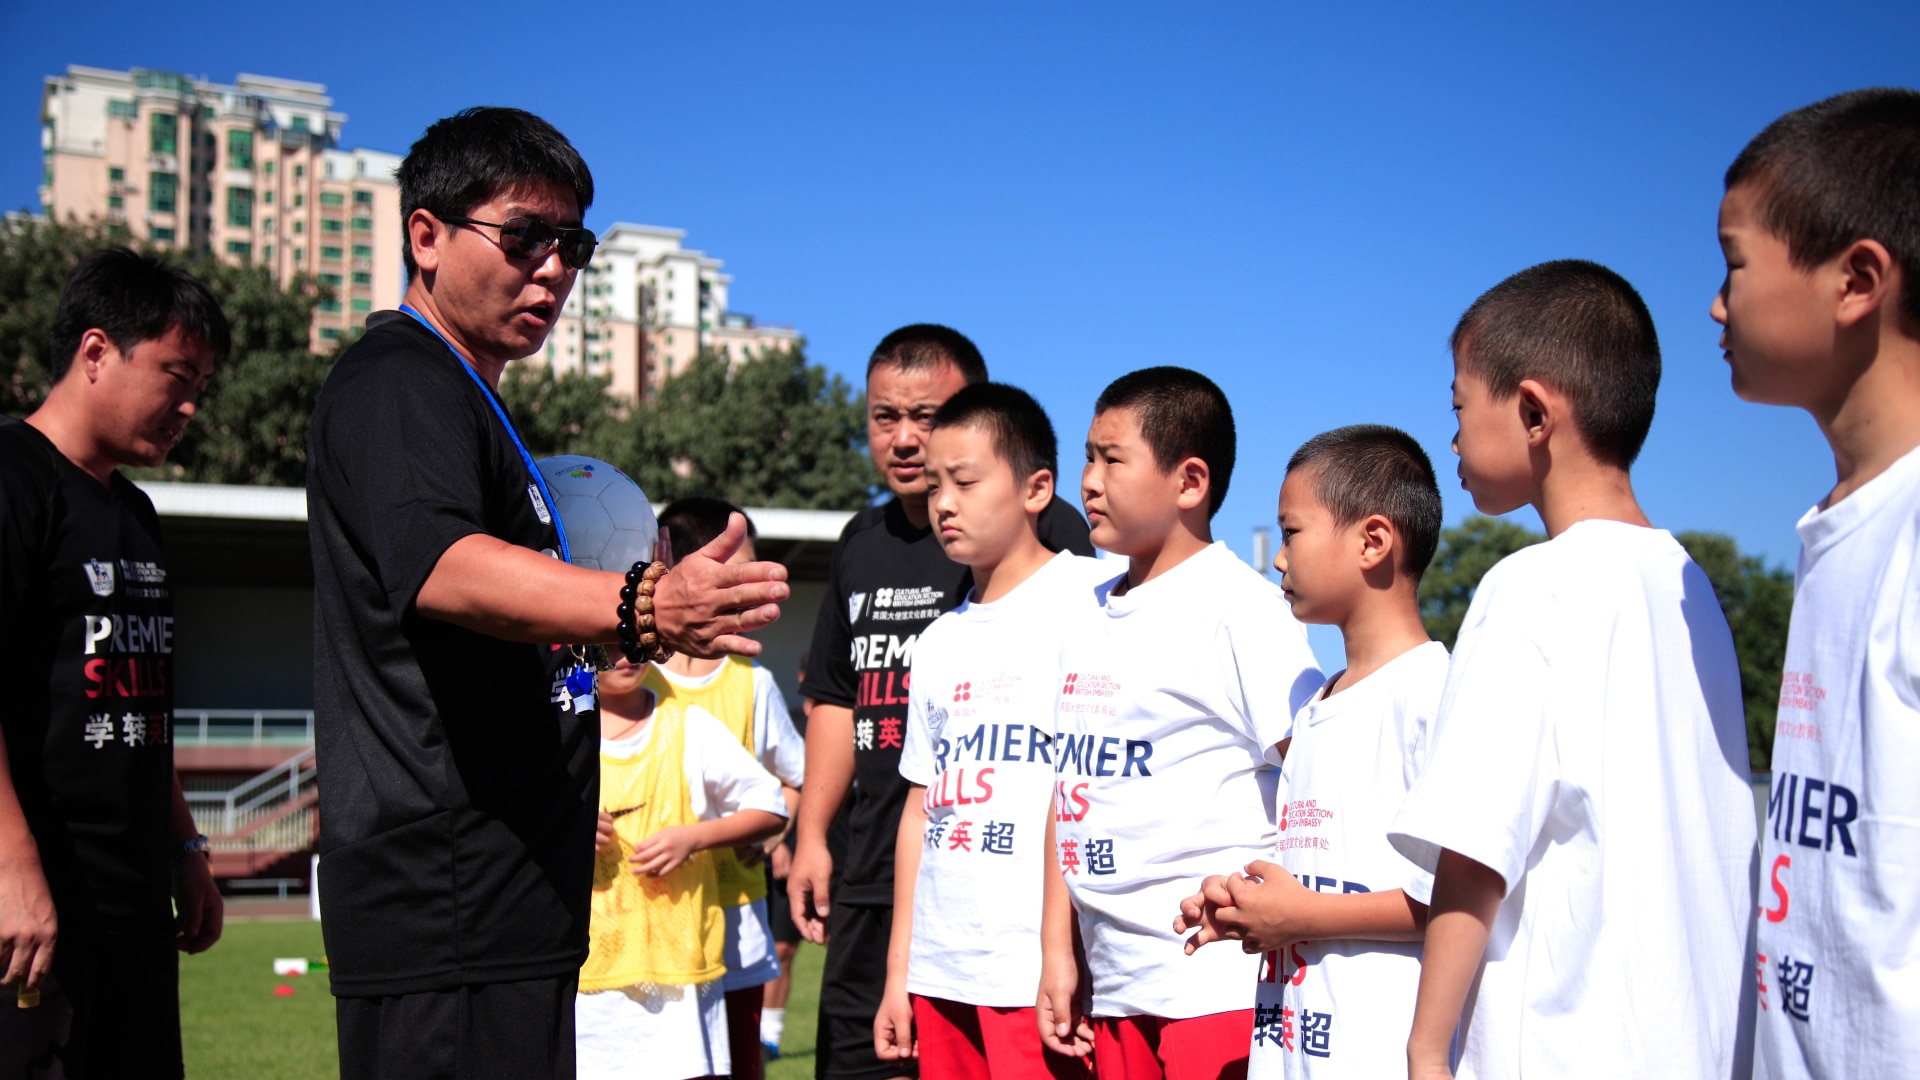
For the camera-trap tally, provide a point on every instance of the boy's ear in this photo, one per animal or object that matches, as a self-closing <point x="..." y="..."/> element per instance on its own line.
<point x="1038" y="491"/>
<point x="1378" y="543"/>
<point x="1196" y="483"/>
<point x="1540" y="411"/>
<point x="1870" y="281"/>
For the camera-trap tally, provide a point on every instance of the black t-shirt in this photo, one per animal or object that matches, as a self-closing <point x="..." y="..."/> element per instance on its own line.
<point x="86" y="659"/>
<point x="889" y="581"/>
<point x="458" y="784"/>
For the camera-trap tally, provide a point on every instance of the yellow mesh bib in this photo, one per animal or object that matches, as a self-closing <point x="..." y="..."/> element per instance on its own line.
<point x="664" y="930"/>
<point x="729" y="697"/>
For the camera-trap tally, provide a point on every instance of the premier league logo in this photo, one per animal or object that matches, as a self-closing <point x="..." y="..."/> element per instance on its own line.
<point x="100" y="576"/>
<point x="854" y="604"/>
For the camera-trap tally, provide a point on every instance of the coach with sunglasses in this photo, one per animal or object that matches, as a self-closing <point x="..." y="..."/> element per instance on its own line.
<point x="458" y="749"/>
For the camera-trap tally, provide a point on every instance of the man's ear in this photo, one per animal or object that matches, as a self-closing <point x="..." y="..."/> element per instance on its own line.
<point x="425" y="233"/>
<point x="96" y="348"/>
<point x="1378" y="542"/>
<point x="1038" y="492"/>
<point x="1196" y="483"/>
<point x="1540" y="411"/>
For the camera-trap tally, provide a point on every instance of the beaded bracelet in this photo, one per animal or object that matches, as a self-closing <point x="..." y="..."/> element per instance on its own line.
<point x="639" y="637"/>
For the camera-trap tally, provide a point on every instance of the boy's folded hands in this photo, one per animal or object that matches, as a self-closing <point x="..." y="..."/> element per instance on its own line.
<point x="1263" y="909"/>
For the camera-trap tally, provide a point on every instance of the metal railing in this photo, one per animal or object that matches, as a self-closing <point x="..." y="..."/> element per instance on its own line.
<point x="224" y="813"/>
<point x="242" y="727"/>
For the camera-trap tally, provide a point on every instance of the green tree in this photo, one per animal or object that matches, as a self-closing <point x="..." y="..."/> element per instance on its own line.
<point x="771" y="431"/>
<point x="563" y="414"/>
<point x="1467" y="551"/>
<point x="1758" y="601"/>
<point x="251" y="425"/>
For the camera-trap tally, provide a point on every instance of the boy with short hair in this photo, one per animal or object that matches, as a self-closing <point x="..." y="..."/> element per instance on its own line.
<point x="1181" y="681"/>
<point x="972" y="857"/>
<point x="1585" y="806"/>
<point x="1821" y="304"/>
<point x="675" y="788"/>
<point x="743" y="696"/>
<point x="1341" y="915"/>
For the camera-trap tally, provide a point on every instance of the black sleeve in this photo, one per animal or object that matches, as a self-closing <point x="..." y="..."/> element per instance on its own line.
<point x="23" y="526"/>
<point x="830" y="675"/>
<point x="403" y="463"/>
<point x="1063" y="529"/>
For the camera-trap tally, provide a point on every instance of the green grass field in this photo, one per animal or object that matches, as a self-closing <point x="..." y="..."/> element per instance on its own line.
<point x="236" y="1028"/>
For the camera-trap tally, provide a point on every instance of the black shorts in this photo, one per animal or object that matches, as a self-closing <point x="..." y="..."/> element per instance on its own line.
<point x="513" y="1031"/>
<point x="109" y="1009"/>
<point x="779" y="911"/>
<point x="850" y="990"/>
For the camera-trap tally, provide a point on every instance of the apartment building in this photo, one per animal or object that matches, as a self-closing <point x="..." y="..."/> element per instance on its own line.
<point x="252" y="172"/>
<point x="646" y="307"/>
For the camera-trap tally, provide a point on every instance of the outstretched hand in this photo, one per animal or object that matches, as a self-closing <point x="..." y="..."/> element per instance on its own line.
<point x="704" y="606"/>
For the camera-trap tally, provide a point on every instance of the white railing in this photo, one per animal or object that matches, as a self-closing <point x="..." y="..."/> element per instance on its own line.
<point x="242" y="727"/>
<point x="220" y="814"/>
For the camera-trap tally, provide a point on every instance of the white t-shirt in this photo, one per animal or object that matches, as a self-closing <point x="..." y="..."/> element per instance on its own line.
<point x="1344" y="1008"/>
<point x="1839" y="952"/>
<point x="1172" y="696"/>
<point x="776" y="744"/>
<point x="980" y="740"/>
<point x="1591" y="749"/>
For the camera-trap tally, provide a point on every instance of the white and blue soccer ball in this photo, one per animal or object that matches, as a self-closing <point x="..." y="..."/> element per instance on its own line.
<point x="609" y="521"/>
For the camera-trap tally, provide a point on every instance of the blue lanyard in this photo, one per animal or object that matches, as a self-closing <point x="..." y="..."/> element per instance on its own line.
<point x="540" y="482"/>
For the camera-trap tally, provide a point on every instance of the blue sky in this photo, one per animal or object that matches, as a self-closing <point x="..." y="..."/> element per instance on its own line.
<point x="1298" y="202"/>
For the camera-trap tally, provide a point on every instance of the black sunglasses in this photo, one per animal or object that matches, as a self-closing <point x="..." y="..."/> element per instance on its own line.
<point x="526" y="237"/>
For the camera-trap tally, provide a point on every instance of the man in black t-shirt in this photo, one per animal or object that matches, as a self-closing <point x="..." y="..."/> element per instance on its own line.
<point x="889" y="580"/>
<point x="96" y="842"/>
<point x="458" y="752"/>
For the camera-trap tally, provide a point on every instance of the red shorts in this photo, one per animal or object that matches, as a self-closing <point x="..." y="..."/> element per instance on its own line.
<point x="979" y="1042"/>
<point x="1211" y="1047"/>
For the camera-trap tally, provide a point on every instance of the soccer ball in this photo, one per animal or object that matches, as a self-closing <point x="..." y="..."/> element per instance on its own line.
<point x="609" y="522"/>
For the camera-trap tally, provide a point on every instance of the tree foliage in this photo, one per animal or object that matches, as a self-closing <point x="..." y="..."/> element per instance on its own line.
<point x="251" y="425"/>
<point x="1756" y="598"/>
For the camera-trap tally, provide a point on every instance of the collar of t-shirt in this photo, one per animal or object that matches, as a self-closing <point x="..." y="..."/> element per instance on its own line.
<point x="1185" y="576"/>
<point x="974" y="611"/>
<point x="1821" y="529"/>
<point x="1367" y="694"/>
<point x="691" y="682"/>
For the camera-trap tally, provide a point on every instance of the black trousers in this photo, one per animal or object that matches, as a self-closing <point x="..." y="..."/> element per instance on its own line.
<point x="512" y="1031"/>
<point x="850" y="992"/>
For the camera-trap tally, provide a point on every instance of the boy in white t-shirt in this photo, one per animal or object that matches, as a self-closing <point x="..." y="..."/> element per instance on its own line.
<point x="675" y="786"/>
<point x="1821" y="304"/>
<point x="742" y="695"/>
<point x="1340" y="918"/>
<point x="1185" y="677"/>
<point x="1585" y="806"/>
<point x="972" y="856"/>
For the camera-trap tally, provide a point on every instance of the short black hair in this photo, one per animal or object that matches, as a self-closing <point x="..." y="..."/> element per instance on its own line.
<point x="133" y="298"/>
<point x="1367" y="469"/>
<point x="1581" y="329"/>
<point x="478" y="154"/>
<point x="1022" y="435"/>
<point x="1182" y="414"/>
<point x="1842" y="170"/>
<point x="694" y="520"/>
<point x="928" y="345"/>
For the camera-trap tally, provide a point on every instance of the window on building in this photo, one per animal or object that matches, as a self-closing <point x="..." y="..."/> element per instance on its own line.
<point x="241" y="248"/>
<point x="165" y="133"/>
<point x="300" y="122"/>
<point x="299" y="226"/>
<point x="269" y="168"/>
<point x="117" y="204"/>
<point x="240" y="149"/>
<point x="299" y="256"/>
<point x="332" y="225"/>
<point x="363" y="251"/>
<point x="266" y="253"/>
<point x="299" y="198"/>
<point x="160" y="236"/>
<point x="330" y="253"/>
<point x="117" y="176"/>
<point x="330" y="306"/>
<point x="363" y="198"/>
<point x="266" y="225"/>
<point x="299" y="172"/>
<point x="361" y="305"/>
<point x="361" y="277"/>
<point x="330" y="280"/>
<point x="121" y="110"/>
<point x="329" y="333"/>
<point x="332" y="200"/>
<point x="363" y="224"/>
<point x="163" y="190"/>
<point x="206" y="113"/>
<point x="240" y="207"/>
<point x="267" y="195"/>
